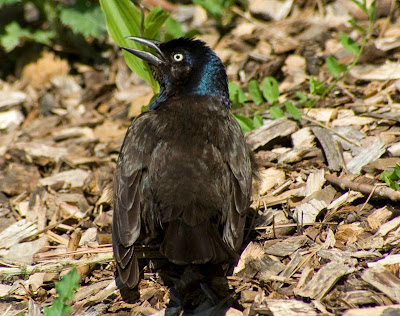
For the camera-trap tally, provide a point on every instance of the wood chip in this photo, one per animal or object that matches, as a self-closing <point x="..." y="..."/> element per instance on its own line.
<point x="306" y="213"/>
<point x="286" y="247"/>
<point x="285" y="307"/>
<point x="331" y="151"/>
<point x="374" y="311"/>
<point x="390" y="259"/>
<point x="74" y="178"/>
<point x="303" y="138"/>
<point x="383" y="280"/>
<point x="378" y="217"/>
<point x="387" y="71"/>
<point x="269" y="178"/>
<point x="324" y="279"/>
<point x="261" y="136"/>
<point x="10" y="98"/>
<point x="368" y="154"/>
<point x="314" y="183"/>
<point x="17" y="232"/>
<point x="42" y="154"/>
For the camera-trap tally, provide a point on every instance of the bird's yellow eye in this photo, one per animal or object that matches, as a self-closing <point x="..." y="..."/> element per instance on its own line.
<point x="178" y="57"/>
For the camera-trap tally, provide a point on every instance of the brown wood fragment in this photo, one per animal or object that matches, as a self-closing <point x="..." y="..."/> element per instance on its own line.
<point x="273" y="129"/>
<point x="315" y="181"/>
<point x="284" y="307"/>
<point x="384" y="281"/>
<point x="18" y="178"/>
<point x="306" y="213"/>
<point x="377" y="192"/>
<point x="360" y="297"/>
<point x="378" y="217"/>
<point x="374" y="311"/>
<point x="303" y="138"/>
<point x="366" y="155"/>
<point x="324" y="280"/>
<point x="17" y="232"/>
<point x="333" y="156"/>
<point x="286" y="247"/>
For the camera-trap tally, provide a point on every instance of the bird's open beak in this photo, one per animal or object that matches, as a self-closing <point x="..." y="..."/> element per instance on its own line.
<point x="146" y="56"/>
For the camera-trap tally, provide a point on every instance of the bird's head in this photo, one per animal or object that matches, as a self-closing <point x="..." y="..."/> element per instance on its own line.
<point x="185" y="66"/>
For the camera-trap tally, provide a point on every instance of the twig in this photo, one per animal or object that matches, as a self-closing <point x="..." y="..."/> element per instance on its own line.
<point x="250" y="19"/>
<point x="145" y="252"/>
<point x="56" y="267"/>
<point x="295" y="225"/>
<point x="369" y="197"/>
<point x="7" y="310"/>
<point x="377" y="191"/>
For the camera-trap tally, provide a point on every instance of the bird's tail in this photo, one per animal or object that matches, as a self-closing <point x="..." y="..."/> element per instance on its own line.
<point x="199" y="244"/>
<point x="127" y="266"/>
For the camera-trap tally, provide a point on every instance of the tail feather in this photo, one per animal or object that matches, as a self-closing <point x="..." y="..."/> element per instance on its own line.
<point x="185" y="244"/>
<point x="128" y="267"/>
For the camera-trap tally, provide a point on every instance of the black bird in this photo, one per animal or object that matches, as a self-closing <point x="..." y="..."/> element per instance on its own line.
<point x="184" y="169"/>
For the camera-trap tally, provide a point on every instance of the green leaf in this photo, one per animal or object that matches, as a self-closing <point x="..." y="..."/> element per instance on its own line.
<point x="14" y="34"/>
<point x="236" y="94"/>
<point x="302" y="97"/>
<point x="173" y="28"/>
<point x="58" y="308"/>
<point x="372" y="11"/>
<point x="397" y="171"/>
<point x="153" y="22"/>
<point x="334" y="67"/>
<point x="348" y="43"/>
<point x="292" y="109"/>
<point x="123" y="19"/>
<point x="8" y="2"/>
<point x="386" y="175"/>
<point x="276" y="112"/>
<point x="84" y="17"/>
<point x="43" y="37"/>
<point x="310" y="103"/>
<point x="255" y="92"/>
<point x="68" y="285"/>
<point x="270" y="89"/>
<point x="245" y="123"/>
<point x="361" y="5"/>
<point x="213" y="7"/>
<point x="357" y="26"/>
<point x="65" y="290"/>
<point x="257" y="121"/>
<point x="316" y="87"/>
<point x="192" y="33"/>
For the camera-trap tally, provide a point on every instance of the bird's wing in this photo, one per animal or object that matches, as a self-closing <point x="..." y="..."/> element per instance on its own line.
<point x="238" y="159"/>
<point x="128" y="195"/>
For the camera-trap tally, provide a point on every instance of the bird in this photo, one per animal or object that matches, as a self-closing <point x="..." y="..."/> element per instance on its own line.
<point x="184" y="170"/>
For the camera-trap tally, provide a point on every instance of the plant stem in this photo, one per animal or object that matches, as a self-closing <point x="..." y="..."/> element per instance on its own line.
<point x="50" y="11"/>
<point x="371" y="19"/>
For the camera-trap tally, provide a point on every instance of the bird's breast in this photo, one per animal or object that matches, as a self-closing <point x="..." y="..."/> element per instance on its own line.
<point x="187" y="165"/>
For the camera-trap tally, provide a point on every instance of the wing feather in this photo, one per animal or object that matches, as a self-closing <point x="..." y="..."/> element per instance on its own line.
<point x="238" y="159"/>
<point x="128" y="196"/>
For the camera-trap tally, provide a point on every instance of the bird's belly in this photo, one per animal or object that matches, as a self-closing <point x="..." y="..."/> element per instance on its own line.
<point x="181" y="176"/>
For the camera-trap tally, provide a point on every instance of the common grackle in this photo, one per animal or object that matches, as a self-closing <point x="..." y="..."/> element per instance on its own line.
<point x="184" y="169"/>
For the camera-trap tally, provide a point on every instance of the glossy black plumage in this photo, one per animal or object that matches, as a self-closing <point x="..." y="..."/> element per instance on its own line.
<point x="184" y="170"/>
